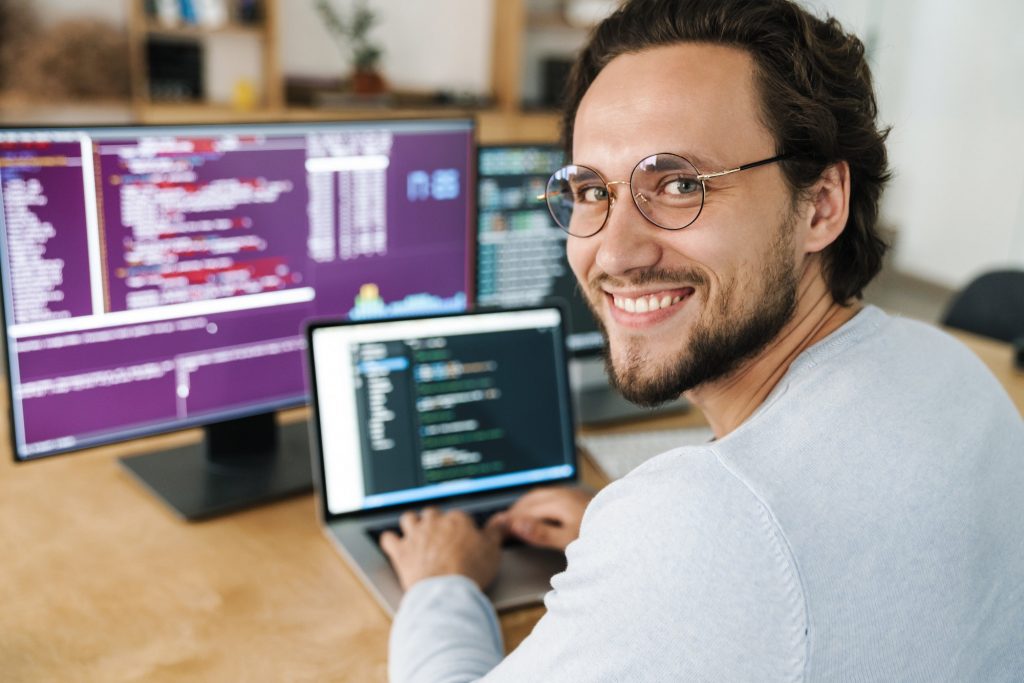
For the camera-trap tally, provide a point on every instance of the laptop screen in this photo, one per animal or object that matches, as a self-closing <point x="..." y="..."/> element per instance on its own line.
<point x="419" y="409"/>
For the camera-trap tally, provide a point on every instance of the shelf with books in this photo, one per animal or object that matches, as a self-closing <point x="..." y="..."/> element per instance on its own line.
<point x="205" y="52"/>
<point x="195" y="30"/>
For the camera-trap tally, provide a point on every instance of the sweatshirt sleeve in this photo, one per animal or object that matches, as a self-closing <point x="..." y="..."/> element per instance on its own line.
<point x="445" y="631"/>
<point x="679" y="573"/>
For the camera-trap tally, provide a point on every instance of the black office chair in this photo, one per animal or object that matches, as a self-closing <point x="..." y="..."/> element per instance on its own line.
<point x="991" y="305"/>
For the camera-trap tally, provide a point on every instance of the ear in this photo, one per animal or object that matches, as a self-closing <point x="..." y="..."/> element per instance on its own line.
<point x="830" y="207"/>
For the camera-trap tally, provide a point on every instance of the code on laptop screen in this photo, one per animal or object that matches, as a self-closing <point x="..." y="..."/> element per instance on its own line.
<point x="443" y="413"/>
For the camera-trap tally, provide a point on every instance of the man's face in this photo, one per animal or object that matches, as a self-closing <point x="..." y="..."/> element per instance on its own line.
<point x="730" y="278"/>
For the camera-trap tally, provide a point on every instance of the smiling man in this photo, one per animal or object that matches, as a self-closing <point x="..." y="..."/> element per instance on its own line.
<point x="857" y="516"/>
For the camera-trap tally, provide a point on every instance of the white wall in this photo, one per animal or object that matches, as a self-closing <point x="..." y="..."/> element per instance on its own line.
<point x="428" y="44"/>
<point x="950" y="80"/>
<point x="960" y="151"/>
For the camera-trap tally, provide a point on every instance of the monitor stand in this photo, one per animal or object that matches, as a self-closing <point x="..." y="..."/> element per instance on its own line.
<point x="241" y="463"/>
<point x="596" y="401"/>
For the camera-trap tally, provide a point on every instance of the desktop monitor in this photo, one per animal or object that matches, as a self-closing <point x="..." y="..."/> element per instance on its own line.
<point x="158" y="277"/>
<point x="521" y="261"/>
<point x="520" y="250"/>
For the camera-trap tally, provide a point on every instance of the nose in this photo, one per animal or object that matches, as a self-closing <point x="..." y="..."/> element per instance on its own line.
<point x="628" y="240"/>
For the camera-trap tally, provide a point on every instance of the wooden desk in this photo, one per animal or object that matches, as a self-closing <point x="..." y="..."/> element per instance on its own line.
<point x="98" y="582"/>
<point x="998" y="356"/>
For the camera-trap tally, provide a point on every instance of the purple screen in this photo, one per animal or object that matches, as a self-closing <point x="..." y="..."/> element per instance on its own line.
<point x="159" y="277"/>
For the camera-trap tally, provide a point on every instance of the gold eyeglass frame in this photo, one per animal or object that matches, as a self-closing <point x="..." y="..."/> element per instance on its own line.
<point x="637" y="197"/>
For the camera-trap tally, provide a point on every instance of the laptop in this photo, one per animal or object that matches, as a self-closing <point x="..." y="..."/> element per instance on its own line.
<point x="461" y="411"/>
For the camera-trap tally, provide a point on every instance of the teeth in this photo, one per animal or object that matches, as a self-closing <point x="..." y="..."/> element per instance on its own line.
<point x="645" y="304"/>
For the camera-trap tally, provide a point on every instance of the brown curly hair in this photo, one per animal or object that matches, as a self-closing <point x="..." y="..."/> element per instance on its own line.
<point x="816" y="95"/>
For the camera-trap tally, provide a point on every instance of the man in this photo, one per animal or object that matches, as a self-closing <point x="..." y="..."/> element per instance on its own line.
<point x="859" y="514"/>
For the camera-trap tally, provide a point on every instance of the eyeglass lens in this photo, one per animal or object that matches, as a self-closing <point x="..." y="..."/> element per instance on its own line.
<point x="665" y="188"/>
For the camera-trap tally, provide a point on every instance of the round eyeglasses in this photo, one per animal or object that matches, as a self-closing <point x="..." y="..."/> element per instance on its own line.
<point x="666" y="188"/>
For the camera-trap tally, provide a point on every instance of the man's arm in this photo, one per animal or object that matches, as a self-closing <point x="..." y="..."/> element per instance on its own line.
<point x="445" y="630"/>
<point x="679" y="574"/>
<point x="443" y="564"/>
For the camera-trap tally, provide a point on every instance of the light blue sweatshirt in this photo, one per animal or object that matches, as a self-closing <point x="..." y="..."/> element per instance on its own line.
<point x="865" y="524"/>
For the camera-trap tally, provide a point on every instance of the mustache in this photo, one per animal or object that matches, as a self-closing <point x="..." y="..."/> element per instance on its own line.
<point x="651" y="276"/>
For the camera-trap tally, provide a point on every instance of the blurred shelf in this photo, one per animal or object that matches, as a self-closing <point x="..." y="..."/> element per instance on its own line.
<point x="498" y="126"/>
<point x="155" y="112"/>
<point x="201" y="112"/>
<point x="20" y="110"/>
<point x="494" y="125"/>
<point x="197" y="31"/>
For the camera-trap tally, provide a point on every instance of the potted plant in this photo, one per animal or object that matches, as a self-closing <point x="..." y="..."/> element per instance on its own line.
<point x="351" y="33"/>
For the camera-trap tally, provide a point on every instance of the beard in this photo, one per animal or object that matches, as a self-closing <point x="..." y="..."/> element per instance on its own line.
<point x="728" y="334"/>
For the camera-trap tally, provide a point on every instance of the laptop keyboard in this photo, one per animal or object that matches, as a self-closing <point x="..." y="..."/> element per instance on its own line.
<point x="479" y="517"/>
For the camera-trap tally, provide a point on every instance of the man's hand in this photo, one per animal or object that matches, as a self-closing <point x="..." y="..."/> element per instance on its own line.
<point x="435" y="543"/>
<point x="548" y="517"/>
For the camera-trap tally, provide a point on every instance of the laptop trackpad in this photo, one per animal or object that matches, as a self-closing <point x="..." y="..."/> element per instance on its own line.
<point x="524" y="576"/>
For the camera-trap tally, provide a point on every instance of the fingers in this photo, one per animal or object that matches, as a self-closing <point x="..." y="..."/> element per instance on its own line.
<point x="437" y="543"/>
<point x="498" y="519"/>
<point x="496" y="528"/>
<point x="407" y="522"/>
<point x="539" y="496"/>
<point x="556" y="509"/>
<point x="548" y="517"/>
<point x="460" y="516"/>
<point x="551" y="496"/>
<point x="539" y="533"/>
<point x="493" y="534"/>
<point x="389" y="543"/>
<point x="410" y="522"/>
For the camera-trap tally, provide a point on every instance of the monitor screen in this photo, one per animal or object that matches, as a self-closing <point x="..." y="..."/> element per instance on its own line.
<point x="520" y="250"/>
<point x="159" y="277"/>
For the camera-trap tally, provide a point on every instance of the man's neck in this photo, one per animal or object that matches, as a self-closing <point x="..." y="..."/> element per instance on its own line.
<point x="728" y="402"/>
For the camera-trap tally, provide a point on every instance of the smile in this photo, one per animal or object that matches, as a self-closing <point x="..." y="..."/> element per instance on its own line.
<point x="649" y="307"/>
<point x="648" y="303"/>
<point x="645" y="304"/>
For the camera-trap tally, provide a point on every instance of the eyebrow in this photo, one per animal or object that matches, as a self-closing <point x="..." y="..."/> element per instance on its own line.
<point x="703" y="164"/>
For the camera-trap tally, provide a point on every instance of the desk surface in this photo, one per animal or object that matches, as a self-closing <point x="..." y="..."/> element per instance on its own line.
<point x="98" y="582"/>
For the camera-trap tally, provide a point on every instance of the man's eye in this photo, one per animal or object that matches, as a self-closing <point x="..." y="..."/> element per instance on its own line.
<point x="592" y="193"/>
<point x="681" y="185"/>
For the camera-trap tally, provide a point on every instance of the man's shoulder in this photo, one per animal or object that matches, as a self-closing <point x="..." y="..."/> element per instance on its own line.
<point x="691" y="491"/>
<point x="877" y="369"/>
<point x="888" y="387"/>
<point x="882" y="341"/>
<point x="681" y="542"/>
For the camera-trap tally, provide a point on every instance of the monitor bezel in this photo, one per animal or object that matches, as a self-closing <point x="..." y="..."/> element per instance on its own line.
<point x="316" y="436"/>
<point x="141" y="432"/>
